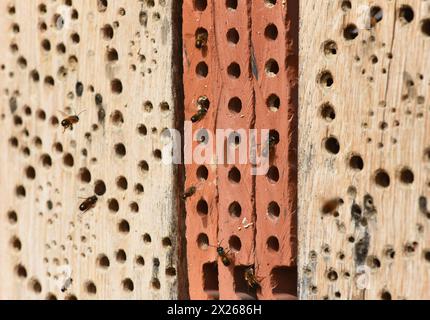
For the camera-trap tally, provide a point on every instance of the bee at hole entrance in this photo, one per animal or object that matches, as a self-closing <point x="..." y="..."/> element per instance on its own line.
<point x="70" y="120"/>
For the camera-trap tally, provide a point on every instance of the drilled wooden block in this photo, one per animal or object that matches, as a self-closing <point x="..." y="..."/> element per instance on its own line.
<point x="364" y="150"/>
<point x="111" y="61"/>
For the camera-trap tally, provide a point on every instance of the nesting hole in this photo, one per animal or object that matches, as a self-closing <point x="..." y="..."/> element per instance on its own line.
<point x="233" y="70"/>
<point x="235" y="105"/>
<point x="273" y="210"/>
<point x="407" y="176"/>
<point x="210" y="278"/>
<point x="202" y="207"/>
<point x="234" y="175"/>
<point x="350" y="32"/>
<point x="103" y="261"/>
<point x="202" y="173"/>
<point x="284" y="281"/>
<point x="271" y="68"/>
<point x="273" y="174"/>
<point x="202" y="69"/>
<point x="99" y="188"/>
<point x="332" y="145"/>
<point x="272" y="244"/>
<point x="382" y="178"/>
<point x="356" y="162"/>
<point x="271" y="32"/>
<point x="233" y="36"/>
<point x="235" y="209"/>
<point x="234" y="243"/>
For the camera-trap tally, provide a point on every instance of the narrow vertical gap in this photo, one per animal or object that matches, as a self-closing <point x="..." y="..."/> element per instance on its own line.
<point x="292" y="65"/>
<point x="179" y="169"/>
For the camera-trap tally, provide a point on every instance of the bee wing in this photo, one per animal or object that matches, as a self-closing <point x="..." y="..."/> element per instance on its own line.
<point x="63" y="113"/>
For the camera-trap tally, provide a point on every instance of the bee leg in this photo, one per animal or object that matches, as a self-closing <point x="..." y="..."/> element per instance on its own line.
<point x="71" y="127"/>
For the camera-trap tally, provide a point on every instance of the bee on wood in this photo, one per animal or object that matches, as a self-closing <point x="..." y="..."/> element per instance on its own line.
<point x="251" y="279"/>
<point x="189" y="192"/>
<point x="88" y="204"/>
<point x="203" y="105"/>
<point x="70" y="120"/>
<point x="201" y="38"/>
<point x="66" y="284"/>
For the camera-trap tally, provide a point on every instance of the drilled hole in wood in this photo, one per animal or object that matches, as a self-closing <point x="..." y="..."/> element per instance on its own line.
<point x="124" y="226"/>
<point x="99" y="188"/>
<point x="116" y="86"/>
<point x="376" y="15"/>
<point x="155" y="284"/>
<point x="325" y="79"/>
<point x="382" y="178"/>
<point x="350" y="32"/>
<point x="406" y="176"/>
<point x="356" y="162"/>
<point x="330" y="48"/>
<point x="332" y="145"/>
<point x="406" y="14"/>
<point x="327" y="112"/>
<point x="12" y="217"/>
<point x="90" y="288"/>
<point x="127" y="285"/>
<point x="68" y="160"/>
<point x="121" y="256"/>
<point x="20" y="192"/>
<point x="113" y="205"/>
<point x="103" y="261"/>
<point x="102" y="5"/>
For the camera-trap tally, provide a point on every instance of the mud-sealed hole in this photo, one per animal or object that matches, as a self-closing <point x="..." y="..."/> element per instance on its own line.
<point x="241" y="286"/>
<point x="284" y="282"/>
<point x="210" y="280"/>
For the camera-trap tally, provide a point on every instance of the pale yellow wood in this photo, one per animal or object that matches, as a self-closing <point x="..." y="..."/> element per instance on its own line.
<point x="51" y="238"/>
<point x="381" y="99"/>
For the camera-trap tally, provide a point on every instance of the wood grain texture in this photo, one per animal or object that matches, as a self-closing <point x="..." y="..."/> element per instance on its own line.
<point x="363" y="156"/>
<point x="68" y="55"/>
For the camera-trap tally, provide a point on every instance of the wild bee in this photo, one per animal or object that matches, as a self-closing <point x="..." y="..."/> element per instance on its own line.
<point x="251" y="279"/>
<point x="88" y="204"/>
<point x="70" y="120"/>
<point x="226" y="260"/>
<point x="189" y="192"/>
<point x="201" y="38"/>
<point x="66" y="284"/>
<point x="203" y="105"/>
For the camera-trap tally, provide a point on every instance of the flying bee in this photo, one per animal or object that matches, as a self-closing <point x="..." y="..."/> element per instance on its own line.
<point x="189" y="192"/>
<point x="70" y="120"/>
<point x="88" y="204"/>
<point x="201" y="38"/>
<point x="199" y="115"/>
<point x="66" y="284"/>
<point x="251" y="279"/>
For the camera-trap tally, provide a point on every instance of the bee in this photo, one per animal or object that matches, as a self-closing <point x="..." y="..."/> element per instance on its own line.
<point x="203" y="105"/>
<point x="273" y="141"/>
<point x="223" y="254"/>
<point x="88" y="204"/>
<point x="66" y="284"/>
<point x="251" y="279"/>
<point x="70" y="120"/>
<point x="189" y="192"/>
<point x="201" y="38"/>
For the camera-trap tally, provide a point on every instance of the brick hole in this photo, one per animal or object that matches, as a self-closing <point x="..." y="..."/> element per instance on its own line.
<point x="116" y="86"/>
<point x="127" y="285"/>
<point x="134" y="207"/>
<point x="200" y="5"/>
<point x="406" y="14"/>
<point x="30" y="172"/>
<point x="85" y="175"/>
<point x="233" y="70"/>
<point x="155" y="284"/>
<point x="202" y="241"/>
<point x="234" y="243"/>
<point x="202" y="207"/>
<point x="68" y="160"/>
<point x="147" y="238"/>
<point x="235" y="105"/>
<point x="284" y="281"/>
<point x="90" y="288"/>
<point x="139" y="261"/>
<point x="170" y="271"/>
<point x="272" y="244"/>
<point x="382" y="178"/>
<point x="330" y="48"/>
<point x="235" y="209"/>
<point x="273" y="174"/>
<point x="120" y="256"/>
<point x="35" y="286"/>
<point x="142" y="130"/>
<point x="233" y="36"/>
<point x="121" y="183"/>
<point x="234" y="175"/>
<point x="350" y="32"/>
<point x="356" y="162"/>
<point x="20" y="191"/>
<point x="99" y="188"/>
<point x="271" y="68"/>
<point x="273" y="210"/>
<point x="103" y="261"/>
<point x="271" y="32"/>
<point x="113" y="205"/>
<point x="12" y="217"/>
<point x="327" y="112"/>
<point x="406" y="176"/>
<point x="124" y="226"/>
<point x="241" y="287"/>
<point x="332" y="145"/>
<point x="231" y="4"/>
<point x="210" y="279"/>
<point x="20" y="271"/>
<point x="202" y="69"/>
<point x="201" y="35"/>
<point x="111" y="55"/>
<point x="273" y="102"/>
<point x="270" y="3"/>
<point x="325" y="79"/>
<point x="202" y="173"/>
